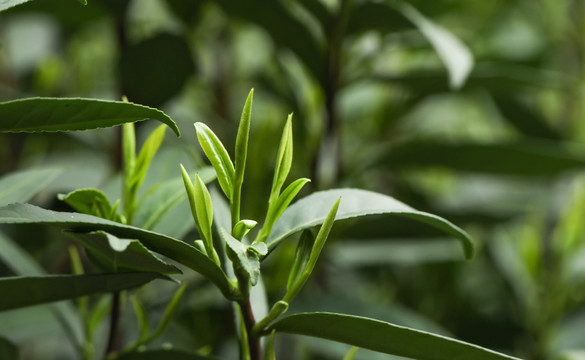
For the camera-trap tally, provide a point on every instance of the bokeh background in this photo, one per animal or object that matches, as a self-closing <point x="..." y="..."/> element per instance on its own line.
<point x="472" y="110"/>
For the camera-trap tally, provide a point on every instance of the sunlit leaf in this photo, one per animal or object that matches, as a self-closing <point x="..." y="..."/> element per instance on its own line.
<point x="69" y="114"/>
<point x="382" y="337"/>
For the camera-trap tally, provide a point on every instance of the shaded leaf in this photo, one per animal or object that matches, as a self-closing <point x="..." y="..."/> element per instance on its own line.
<point x="172" y="248"/>
<point x="122" y="254"/>
<point x="153" y="80"/>
<point x="69" y="114"/>
<point x="244" y="261"/>
<point x="283" y="158"/>
<point x="8" y="350"/>
<point x="313" y="209"/>
<point x="147" y="152"/>
<point x="45" y="289"/>
<point x="21" y="186"/>
<point x="91" y="202"/>
<point x="511" y="158"/>
<point x="382" y="337"/>
<point x="174" y="354"/>
<point x="525" y="119"/>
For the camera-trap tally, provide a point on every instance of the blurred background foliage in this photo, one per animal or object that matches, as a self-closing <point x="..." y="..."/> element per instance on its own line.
<point x="473" y="110"/>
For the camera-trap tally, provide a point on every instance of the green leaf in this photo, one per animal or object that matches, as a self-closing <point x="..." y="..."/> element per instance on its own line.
<point x="283" y="159"/>
<point x="269" y="351"/>
<point x="172" y="248"/>
<point x="535" y="158"/>
<point x="276" y="208"/>
<point x="382" y="337"/>
<point x="240" y="157"/>
<point x="163" y="197"/>
<point x="245" y="262"/>
<point x="303" y="273"/>
<point x="8" y="350"/>
<point x="21" y="186"/>
<point x="302" y="255"/>
<point x="142" y="320"/>
<point x="454" y="54"/>
<point x="525" y="119"/>
<point x="242" y="227"/>
<point x="70" y="114"/>
<point x="122" y="254"/>
<point x="45" y="289"/>
<point x="169" y="313"/>
<point x="175" y="354"/>
<point x="313" y="209"/>
<point x="351" y="353"/>
<point x="218" y="156"/>
<point x="91" y="202"/>
<point x="7" y="4"/>
<point x="149" y="149"/>
<point x="21" y="263"/>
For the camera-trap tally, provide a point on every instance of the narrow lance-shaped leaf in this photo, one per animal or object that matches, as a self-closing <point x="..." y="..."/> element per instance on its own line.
<point x="240" y="157"/>
<point x="312" y="210"/>
<point x="218" y="156"/>
<point x="383" y="337"/>
<point x="21" y="186"/>
<point x="283" y="159"/>
<point x="202" y="211"/>
<point x="277" y="207"/>
<point x="302" y="255"/>
<point x="170" y="247"/>
<point x="69" y="114"/>
<point x="147" y="152"/>
<point x="142" y="320"/>
<point x="45" y="289"/>
<point x="305" y="272"/>
<point x="129" y="152"/>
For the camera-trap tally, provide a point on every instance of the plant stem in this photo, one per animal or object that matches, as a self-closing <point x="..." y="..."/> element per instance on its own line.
<point x="249" y="322"/>
<point x="114" y="320"/>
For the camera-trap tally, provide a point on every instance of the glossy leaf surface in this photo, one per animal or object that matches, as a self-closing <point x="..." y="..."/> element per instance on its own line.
<point x="21" y="186"/>
<point x="383" y="337"/>
<point x="313" y="209"/>
<point x="70" y="114"/>
<point x="162" y="244"/>
<point x="45" y="289"/>
<point x="218" y="156"/>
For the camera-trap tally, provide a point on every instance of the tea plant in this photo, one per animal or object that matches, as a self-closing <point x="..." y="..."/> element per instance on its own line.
<point x="230" y="251"/>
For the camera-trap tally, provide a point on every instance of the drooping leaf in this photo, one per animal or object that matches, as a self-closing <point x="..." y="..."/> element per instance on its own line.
<point x="122" y="254"/>
<point x="70" y="114"/>
<point x="538" y="158"/>
<point x="382" y="337"/>
<point x="8" y="350"/>
<point x="218" y="156"/>
<point x="313" y="209"/>
<point x="454" y="54"/>
<point x="163" y="197"/>
<point x="91" y="202"/>
<point x="21" y="186"/>
<point x="172" y="248"/>
<point x="49" y="288"/>
<point x="158" y="354"/>
<point x="152" y="80"/>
